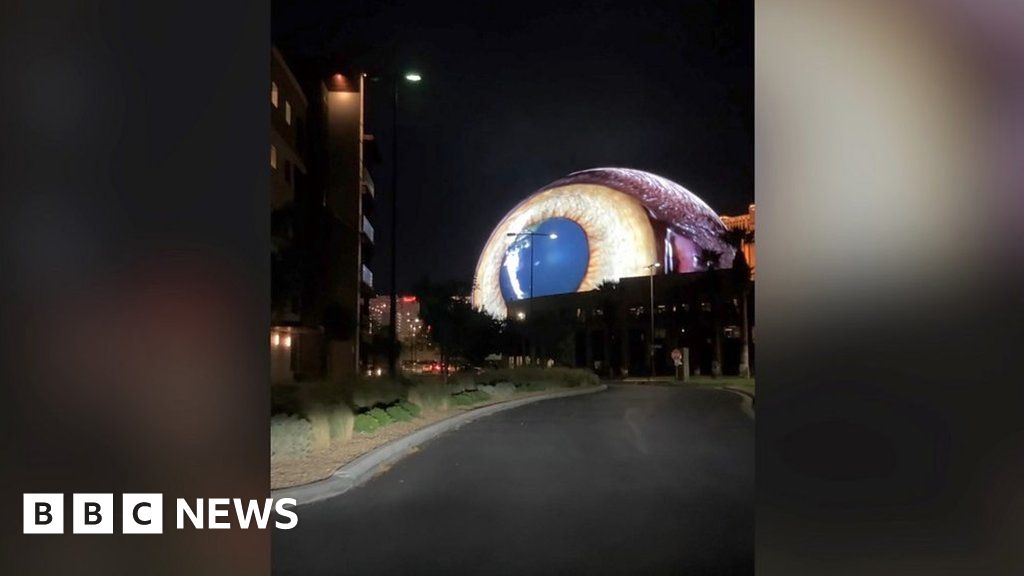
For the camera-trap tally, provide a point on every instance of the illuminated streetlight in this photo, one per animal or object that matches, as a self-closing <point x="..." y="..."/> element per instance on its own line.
<point x="393" y="329"/>
<point x="533" y="263"/>
<point x="551" y="236"/>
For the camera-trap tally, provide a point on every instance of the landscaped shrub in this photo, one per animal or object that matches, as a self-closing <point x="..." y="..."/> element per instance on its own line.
<point x="365" y="424"/>
<point x="518" y="376"/>
<point x="413" y="409"/>
<point x="369" y="392"/>
<point x="479" y="396"/>
<point x="461" y="399"/>
<point x="462" y="383"/>
<point x="320" y="425"/>
<point x="341" y="421"/>
<point x="432" y="395"/>
<point x="381" y="416"/>
<point x="470" y="397"/>
<point x="523" y="376"/>
<point x="290" y="436"/>
<point x="574" y="377"/>
<point x="499" y="391"/>
<point x="532" y="386"/>
<point x="398" y="414"/>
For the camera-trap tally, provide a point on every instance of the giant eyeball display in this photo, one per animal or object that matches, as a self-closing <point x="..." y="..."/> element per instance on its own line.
<point x="593" y="226"/>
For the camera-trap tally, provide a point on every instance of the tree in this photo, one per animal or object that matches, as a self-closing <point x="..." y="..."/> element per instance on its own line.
<point x="709" y="259"/>
<point x="554" y="337"/>
<point x="459" y="330"/>
<point x="610" y="299"/>
<point x="740" y="273"/>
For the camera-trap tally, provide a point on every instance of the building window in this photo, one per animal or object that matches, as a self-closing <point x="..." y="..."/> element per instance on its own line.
<point x="273" y="94"/>
<point x="287" y="112"/>
<point x="273" y="156"/>
<point x="287" y="171"/>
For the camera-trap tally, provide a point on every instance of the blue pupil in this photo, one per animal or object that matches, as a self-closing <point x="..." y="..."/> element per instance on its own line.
<point x="559" y="264"/>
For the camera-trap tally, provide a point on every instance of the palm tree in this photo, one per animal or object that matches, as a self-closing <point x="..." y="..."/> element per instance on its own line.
<point x="610" y="301"/>
<point x="741" y="276"/>
<point x="708" y="259"/>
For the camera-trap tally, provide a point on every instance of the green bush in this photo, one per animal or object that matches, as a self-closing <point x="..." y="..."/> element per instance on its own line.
<point x="398" y="414"/>
<point x="470" y="397"/>
<point x="461" y="399"/>
<point x="539" y="378"/>
<point x="413" y="409"/>
<point x="479" y="396"/>
<point x="290" y="437"/>
<point x="365" y="424"/>
<point x="532" y="386"/>
<point x="573" y="377"/>
<point x="381" y="416"/>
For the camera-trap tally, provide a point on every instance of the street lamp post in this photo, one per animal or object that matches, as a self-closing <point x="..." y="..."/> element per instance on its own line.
<point x="551" y="236"/>
<point x="652" y="268"/>
<point x="393" y="300"/>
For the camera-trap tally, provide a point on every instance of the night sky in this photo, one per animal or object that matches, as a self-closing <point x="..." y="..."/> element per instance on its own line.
<point x="518" y="94"/>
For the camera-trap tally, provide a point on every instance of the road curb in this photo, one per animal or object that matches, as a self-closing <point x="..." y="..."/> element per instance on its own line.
<point x="741" y="391"/>
<point x="370" y="464"/>
<point x="749" y="410"/>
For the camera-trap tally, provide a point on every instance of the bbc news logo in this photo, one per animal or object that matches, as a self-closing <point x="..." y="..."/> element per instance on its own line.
<point x="144" y="513"/>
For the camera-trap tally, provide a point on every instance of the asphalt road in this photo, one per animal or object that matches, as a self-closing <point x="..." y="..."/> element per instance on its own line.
<point x="636" y="480"/>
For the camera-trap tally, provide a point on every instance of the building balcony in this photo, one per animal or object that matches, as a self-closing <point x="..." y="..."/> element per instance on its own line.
<point x="367" y="228"/>
<point x="367" y="277"/>
<point x="368" y="183"/>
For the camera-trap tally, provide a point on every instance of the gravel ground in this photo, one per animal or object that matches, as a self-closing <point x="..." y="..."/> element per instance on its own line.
<point x="285" y="473"/>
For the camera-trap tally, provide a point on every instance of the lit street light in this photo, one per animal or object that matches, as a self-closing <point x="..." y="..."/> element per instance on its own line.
<point x="393" y="313"/>
<point x="533" y="263"/>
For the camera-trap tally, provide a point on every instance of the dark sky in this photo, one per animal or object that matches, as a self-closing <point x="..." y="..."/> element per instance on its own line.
<point x="518" y="94"/>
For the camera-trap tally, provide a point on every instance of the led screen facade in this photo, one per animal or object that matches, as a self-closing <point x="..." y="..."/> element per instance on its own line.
<point x="593" y="226"/>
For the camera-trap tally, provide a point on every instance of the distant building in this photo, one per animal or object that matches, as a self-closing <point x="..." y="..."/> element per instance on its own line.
<point x="745" y="222"/>
<point x="410" y="325"/>
<point x="322" y="199"/>
<point x="609" y="330"/>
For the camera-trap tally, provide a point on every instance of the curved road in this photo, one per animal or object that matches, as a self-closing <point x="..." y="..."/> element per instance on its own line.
<point x="636" y="480"/>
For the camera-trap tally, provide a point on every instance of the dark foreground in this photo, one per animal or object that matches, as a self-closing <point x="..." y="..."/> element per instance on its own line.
<point x="635" y="480"/>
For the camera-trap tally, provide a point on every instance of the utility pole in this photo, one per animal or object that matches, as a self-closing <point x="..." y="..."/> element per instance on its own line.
<point x="652" y="268"/>
<point x="393" y="312"/>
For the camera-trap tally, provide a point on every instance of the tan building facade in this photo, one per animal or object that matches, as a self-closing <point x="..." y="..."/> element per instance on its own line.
<point x="746" y="222"/>
<point x="322" y="200"/>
